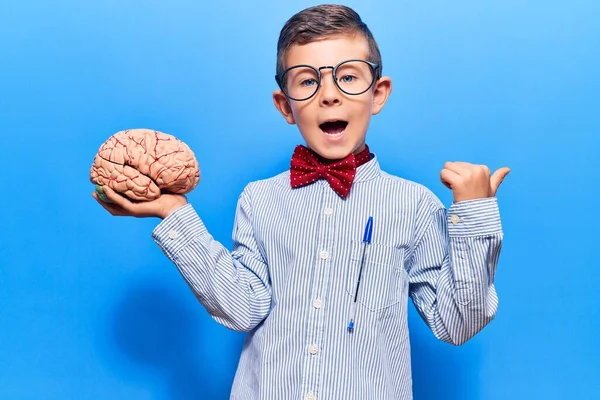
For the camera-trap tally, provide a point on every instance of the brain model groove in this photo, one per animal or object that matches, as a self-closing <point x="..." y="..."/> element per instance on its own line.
<point x="141" y="164"/>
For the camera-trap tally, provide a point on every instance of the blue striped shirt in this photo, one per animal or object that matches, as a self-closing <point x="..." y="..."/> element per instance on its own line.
<point x="289" y="281"/>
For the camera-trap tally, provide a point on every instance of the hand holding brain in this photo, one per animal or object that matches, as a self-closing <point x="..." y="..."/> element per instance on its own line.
<point x="143" y="163"/>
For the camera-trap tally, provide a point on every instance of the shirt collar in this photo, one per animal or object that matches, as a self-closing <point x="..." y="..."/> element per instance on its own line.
<point x="369" y="170"/>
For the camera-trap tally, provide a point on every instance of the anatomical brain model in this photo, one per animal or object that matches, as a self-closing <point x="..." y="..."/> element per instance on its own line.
<point x="141" y="164"/>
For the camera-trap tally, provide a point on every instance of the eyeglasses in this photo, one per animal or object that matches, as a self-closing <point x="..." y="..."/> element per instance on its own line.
<point x="353" y="77"/>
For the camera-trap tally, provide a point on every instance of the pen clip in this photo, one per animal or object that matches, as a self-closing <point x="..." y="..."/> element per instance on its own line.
<point x="368" y="231"/>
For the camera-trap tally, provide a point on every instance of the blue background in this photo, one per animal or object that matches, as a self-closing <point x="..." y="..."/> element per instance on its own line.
<point x="91" y="309"/>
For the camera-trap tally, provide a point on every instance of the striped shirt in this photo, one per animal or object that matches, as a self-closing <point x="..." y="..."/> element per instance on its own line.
<point x="290" y="280"/>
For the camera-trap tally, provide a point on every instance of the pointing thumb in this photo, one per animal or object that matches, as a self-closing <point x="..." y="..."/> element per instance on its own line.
<point x="498" y="177"/>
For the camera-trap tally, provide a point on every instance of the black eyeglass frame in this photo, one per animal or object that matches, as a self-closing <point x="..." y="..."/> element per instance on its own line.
<point x="374" y="70"/>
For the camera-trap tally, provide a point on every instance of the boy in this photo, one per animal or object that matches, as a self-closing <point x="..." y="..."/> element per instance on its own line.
<point x="326" y="254"/>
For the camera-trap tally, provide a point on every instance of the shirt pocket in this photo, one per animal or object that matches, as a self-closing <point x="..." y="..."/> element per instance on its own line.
<point x="383" y="277"/>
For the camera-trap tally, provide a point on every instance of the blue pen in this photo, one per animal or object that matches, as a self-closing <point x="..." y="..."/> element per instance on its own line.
<point x="366" y="240"/>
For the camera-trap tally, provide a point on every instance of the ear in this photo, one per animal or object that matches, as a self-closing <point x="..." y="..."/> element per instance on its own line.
<point x="381" y="92"/>
<point x="282" y="104"/>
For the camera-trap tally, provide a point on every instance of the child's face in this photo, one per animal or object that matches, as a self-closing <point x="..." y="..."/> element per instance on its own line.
<point x="315" y="116"/>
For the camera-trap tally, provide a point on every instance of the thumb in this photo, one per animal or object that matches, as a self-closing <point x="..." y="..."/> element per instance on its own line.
<point x="498" y="177"/>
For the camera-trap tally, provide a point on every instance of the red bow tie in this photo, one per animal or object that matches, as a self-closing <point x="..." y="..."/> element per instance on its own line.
<point x="307" y="167"/>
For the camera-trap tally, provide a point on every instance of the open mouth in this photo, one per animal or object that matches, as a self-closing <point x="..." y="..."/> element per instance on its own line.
<point x="334" y="127"/>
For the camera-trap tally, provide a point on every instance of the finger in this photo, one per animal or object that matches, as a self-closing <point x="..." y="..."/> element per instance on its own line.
<point x="111" y="208"/>
<point x="498" y="177"/>
<point x="116" y="198"/>
<point x="449" y="178"/>
<point x="129" y="207"/>
<point x="459" y="167"/>
<point x="107" y="206"/>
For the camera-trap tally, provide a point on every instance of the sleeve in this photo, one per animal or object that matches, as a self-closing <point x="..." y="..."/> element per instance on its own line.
<point x="233" y="286"/>
<point x="453" y="265"/>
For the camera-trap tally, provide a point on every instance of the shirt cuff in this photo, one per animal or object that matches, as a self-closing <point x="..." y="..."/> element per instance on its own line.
<point x="477" y="217"/>
<point x="178" y="229"/>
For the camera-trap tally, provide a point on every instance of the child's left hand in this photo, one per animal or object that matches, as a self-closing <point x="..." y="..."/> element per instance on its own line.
<point x="471" y="181"/>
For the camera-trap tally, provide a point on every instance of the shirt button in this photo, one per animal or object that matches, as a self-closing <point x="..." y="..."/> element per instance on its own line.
<point x="328" y="210"/>
<point x="313" y="349"/>
<point x="318" y="303"/>
<point x="309" y="396"/>
<point x="172" y="234"/>
<point x="454" y="219"/>
<point x="324" y="255"/>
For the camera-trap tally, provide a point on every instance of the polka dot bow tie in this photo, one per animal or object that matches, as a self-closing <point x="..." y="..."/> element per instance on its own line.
<point x="308" y="167"/>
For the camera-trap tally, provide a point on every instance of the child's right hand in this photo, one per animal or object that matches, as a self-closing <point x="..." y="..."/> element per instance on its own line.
<point x="122" y="206"/>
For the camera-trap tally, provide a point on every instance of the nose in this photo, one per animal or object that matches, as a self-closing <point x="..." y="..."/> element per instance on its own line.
<point x="330" y="95"/>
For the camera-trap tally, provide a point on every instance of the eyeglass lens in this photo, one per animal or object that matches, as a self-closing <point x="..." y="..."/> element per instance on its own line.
<point x="352" y="77"/>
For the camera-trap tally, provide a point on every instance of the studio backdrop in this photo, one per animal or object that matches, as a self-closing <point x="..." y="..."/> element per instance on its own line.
<point x="90" y="308"/>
